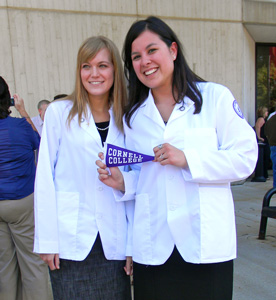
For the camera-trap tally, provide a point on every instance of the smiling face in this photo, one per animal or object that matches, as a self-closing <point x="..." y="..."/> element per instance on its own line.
<point x="153" y="61"/>
<point x="97" y="75"/>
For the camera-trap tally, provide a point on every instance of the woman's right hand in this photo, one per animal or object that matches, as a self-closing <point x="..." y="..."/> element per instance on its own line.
<point x="19" y="105"/>
<point x="111" y="177"/>
<point x="52" y="260"/>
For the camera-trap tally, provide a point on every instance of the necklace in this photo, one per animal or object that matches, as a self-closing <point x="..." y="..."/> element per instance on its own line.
<point x="102" y="129"/>
<point x="101" y="125"/>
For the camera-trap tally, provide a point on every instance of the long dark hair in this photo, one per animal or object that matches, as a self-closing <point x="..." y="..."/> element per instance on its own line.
<point x="184" y="79"/>
<point x="5" y="99"/>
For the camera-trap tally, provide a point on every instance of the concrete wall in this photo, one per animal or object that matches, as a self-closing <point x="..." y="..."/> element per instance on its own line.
<point x="40" y="40"/>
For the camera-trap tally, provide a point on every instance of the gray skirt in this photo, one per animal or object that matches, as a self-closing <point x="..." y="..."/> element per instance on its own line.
<point x="94" y="278"/>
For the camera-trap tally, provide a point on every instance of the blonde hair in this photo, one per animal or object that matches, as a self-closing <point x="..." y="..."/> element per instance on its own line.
<point x="261" y="111"/>
<point x="117" y="94"/>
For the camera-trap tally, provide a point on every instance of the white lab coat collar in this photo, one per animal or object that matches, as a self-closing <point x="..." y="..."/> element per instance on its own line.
<point x="151" y="111"/>
<point x="88" y="124"/>
<point x="113" y="131"/>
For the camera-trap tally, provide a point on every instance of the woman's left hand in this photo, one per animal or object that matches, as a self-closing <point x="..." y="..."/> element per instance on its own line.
<point x="167" y="154"/>
<point x="129" y="266"/>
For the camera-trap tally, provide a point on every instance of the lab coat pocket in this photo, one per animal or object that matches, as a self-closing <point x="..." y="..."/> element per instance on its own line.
<point x="218" y="233"/>
<point x="141" y="230"/>
<point x="68" y="211"/>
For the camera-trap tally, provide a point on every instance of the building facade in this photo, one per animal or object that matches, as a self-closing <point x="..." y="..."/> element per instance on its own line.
<point x="40" y="40"/>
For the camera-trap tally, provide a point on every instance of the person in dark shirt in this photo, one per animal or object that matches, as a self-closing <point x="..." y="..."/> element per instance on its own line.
<point x="270" y="132"/>
<point x="22" y="272"/>
<point x="262" y="114"/>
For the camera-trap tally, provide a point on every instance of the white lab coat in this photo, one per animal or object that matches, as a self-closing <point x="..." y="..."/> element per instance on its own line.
<point x="71" y="204"/>
<point x="192" y="209"/>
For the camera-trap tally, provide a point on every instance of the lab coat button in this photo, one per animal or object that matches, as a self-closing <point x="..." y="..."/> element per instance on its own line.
<point x="172" y="207"/>
<point x="100" y="188"/>
<point x="171" y="177"/>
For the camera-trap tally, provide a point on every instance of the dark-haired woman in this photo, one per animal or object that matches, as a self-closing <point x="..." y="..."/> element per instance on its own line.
<point x="23" y="275"/>
<point x="184" y="237"/>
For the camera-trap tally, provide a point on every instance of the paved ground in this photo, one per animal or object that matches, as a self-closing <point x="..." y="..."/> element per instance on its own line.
<point x="255" y="267"/>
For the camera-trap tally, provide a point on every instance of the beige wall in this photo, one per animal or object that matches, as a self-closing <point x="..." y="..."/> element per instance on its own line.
<point x="40" y="40"/>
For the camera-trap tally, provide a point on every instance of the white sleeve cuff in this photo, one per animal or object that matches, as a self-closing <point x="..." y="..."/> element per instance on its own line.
<point x="130" y="187"/>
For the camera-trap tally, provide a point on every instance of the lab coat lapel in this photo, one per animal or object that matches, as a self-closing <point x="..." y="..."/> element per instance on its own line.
<point x="151" y="111"/>
<point x="179" y="110"/>
<point x="88" y="125"/>
<point x="113" y="130"/>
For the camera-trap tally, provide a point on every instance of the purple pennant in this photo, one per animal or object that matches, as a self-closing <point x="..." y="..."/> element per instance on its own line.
<point x="117" y="156"/>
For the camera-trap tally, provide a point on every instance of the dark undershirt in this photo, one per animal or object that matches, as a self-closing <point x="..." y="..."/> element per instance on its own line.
<point x="103" y="133"/>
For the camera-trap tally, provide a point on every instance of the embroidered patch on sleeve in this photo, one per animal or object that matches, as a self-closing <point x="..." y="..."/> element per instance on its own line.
<point x="237" y="109"/>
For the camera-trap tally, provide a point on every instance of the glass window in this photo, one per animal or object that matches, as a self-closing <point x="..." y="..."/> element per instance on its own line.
<point x="266" y="76"/>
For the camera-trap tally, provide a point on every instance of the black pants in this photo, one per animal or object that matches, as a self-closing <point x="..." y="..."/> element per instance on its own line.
<point x="179" y="280"/>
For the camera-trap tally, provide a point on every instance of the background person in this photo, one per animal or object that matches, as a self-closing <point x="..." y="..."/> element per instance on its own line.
<point x="262" y="114"/>
<point x="270" y="132"/>
<point x="184" y="237"/>
<point x="81" y="231"/>
<point x="23" y="275"/>
<point x="39" y="119"/>
<point x="59" y="96"/>
<point x="272" y="112"/>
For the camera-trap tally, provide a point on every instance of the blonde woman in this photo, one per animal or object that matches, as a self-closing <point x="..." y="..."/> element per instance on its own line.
<point x="262" y="114"/>
<point x="81" y="231"/>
